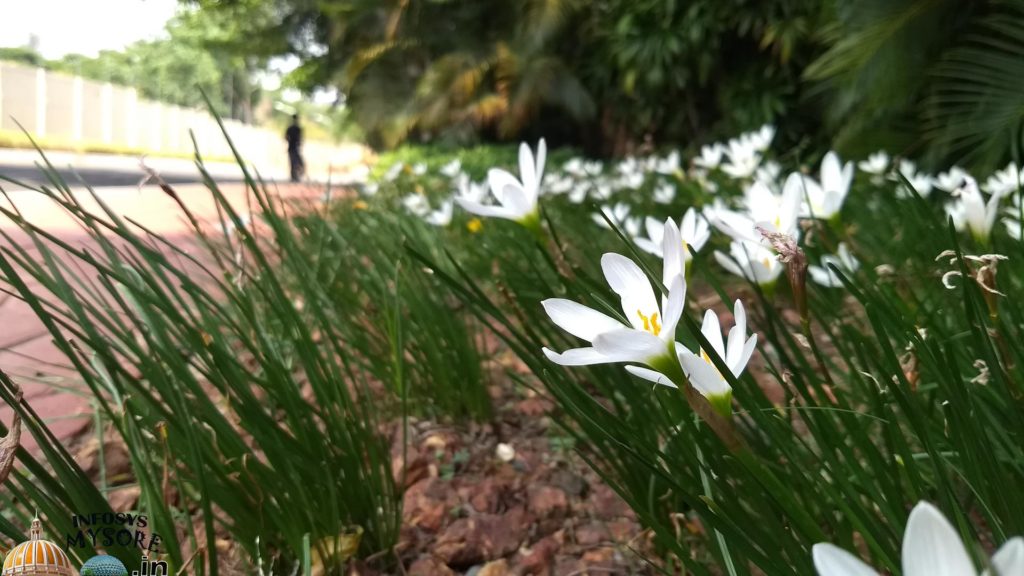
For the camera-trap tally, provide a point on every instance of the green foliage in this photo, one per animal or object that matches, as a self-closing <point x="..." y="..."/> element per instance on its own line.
<point x="931" y="76"/>
<point x="605" y="74"/>
<point x="219" y="364"/>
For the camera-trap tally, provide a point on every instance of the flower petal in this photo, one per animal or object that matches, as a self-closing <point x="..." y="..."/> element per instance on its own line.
<point x="931" y="547"/>
<point x="1009" y="559"/>
<point x="579" y="320"/>
<point x="498" y="179"/>
<point x="831" y="560"/>
<point x="672" y="308"/>
<point x="703" y="375"/>
<point x="485" y="210"/>
<point x="672" y="249"/>
<point x="628" y="345"/>
<point x="650" y="375"/>
<point x="632" y="286"/>
<point x="711" y="330"/>
<point x="542" y="156"/>
<point x="577" y="357"/>
<point x="527" y="168"/>
<point x="737" y="335"/>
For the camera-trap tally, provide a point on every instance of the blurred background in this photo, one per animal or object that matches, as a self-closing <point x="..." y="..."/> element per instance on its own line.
<point x="941" y="81"/>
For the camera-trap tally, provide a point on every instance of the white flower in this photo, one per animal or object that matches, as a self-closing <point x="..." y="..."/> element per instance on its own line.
<point x="762" y="139"/>
<point x="952" y="179"/>
<point x="452" y="169"/>
<point x="752" y="261"/>
<point x="970" y="210"/>
<point x="735" y="352"/>
<point x="768" y="173"/>
<point x="416" y="204"/>
<point x="743" y="159"/>
<point x="693" y="231"/>
<point x="668" y="165"/>
<point x="931" y="547"/>
<point x="517" y="197"/>
<point x="824" y="276"/>
<point x="776" y="213"/>
<point x="710" y="156"/>
<point x="394" y="171"/>
<point x="664" y="193"/>
<point x="825" y="200"/>
<point x="649" y="336"/>
<point x="921" y="182"/>
<point x="1005" y="181"/>
<point x="876" y="164"/>
<point x="619" y="214"/>
<point x="442" y="216"/>
<point x="419" y="169"/>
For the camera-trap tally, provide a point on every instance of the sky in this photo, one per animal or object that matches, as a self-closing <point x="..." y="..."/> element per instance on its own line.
<point x="82" y="26"/>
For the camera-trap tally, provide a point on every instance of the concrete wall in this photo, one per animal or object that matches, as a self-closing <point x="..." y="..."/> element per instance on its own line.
<point x="85" y="112"/>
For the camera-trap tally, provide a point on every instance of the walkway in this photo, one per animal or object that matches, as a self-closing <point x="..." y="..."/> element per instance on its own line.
<point x="26" y="351"/>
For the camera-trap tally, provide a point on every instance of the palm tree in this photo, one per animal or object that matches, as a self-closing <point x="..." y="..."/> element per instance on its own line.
<point x="939" y="79"/>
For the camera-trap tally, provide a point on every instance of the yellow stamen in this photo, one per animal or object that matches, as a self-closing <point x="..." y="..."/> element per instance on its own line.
<point x="767" y="262"/>
<point x="686" y="248"/>
<point x="650" y="322"/>
<point x="704" y="356"/>
<point x="778" y="222"/>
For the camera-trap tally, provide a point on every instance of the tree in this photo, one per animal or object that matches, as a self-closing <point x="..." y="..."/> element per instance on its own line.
<point x="941" y="79"/>
<point x="613" y="72"/>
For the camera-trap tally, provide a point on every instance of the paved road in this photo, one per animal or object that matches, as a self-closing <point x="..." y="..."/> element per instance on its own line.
<point x="26" y="351"/>
<point x="107" y="170"/>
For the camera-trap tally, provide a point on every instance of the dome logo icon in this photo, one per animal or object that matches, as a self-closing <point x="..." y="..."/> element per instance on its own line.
<point x="37" y="557"/>
<point x="103" y="565"/>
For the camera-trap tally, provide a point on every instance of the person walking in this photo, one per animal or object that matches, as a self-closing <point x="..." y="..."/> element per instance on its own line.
<point x="293" y="135"/>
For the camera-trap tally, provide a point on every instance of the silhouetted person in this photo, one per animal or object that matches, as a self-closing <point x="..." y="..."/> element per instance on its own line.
<point x="294" y="137"/>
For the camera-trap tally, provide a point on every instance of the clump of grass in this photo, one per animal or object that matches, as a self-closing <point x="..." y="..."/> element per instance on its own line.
<point x="238" y="398"/>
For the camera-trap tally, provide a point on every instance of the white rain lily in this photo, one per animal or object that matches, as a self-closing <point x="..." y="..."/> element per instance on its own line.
<point x="619" y="214"/>
<point x="452" y="169"/>
<point x="710" y="156"/>
<point x="931" y="547"/>
<point x="752" y="261"/>
<point x="417" y="205"/>
<point x="743" y="159"/>
<point x="876" y="164"/>
<point x="921" y="182"/>
<point x="664" y="193"/>
<point x="762" y="139"/>
<point x="768" y="173"/>
<point x="843" y="259"/>
<point x="647" y="339"/>
<point x="825" y="200"/>
<point x="442" y="216"/>
<point x="1013" y="228"/>
<point x="735" y="352"/>
<point x="393" y="172"/>
<point x="1005" y="181"/>
<point x="971" y="211"/>
<point x="668" y="165"/>
<point x="694" y="231"/>
<point x="517" y="198"/>
<point x="419" y="169"/>
<point x="952" y="179"/>
<point x="776" y="213"/>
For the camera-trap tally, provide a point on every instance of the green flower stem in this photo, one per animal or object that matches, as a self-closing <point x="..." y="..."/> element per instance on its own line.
<point x="722" y="426"/>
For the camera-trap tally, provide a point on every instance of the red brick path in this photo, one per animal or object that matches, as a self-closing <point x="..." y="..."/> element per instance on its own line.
<point x="27" y="353"/>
